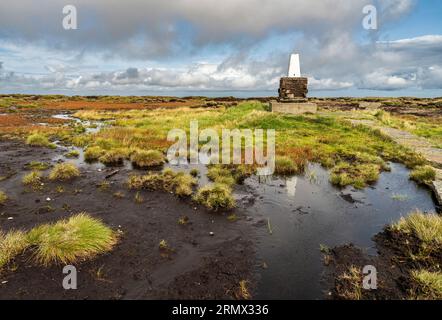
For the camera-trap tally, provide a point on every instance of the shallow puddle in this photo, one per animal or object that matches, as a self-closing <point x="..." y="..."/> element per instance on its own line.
<point x="304" y="212"/>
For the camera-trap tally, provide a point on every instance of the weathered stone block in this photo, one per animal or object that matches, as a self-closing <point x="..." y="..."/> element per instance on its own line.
<point x="293" y="107"/>
<point x="291" y="88"/>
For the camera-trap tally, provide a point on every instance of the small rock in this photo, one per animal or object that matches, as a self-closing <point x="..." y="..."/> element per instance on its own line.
<point x="212" y="233"/>
<point x="48" y="199"/>
<point x="10" y="218"/>
<point x="4" y="282"/>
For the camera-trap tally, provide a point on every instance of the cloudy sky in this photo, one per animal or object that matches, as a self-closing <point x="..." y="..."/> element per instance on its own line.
<point x="212" y="47"/>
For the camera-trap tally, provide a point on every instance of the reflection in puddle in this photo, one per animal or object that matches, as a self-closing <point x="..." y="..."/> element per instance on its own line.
<point x="291" y="186"/>
<point x="305" y="213"/>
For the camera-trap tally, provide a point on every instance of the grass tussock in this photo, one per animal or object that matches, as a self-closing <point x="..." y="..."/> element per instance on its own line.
<point x="215" y="197"/>
<point x="72" y="154"/>
<point x="285" y="166"/>
<point x="3" y="197"/>
<point x="39" y="140"/>
<point x="178" y="183"/>
<point x="426" y="227"/>
<point x="37" y="165"/>
<point x="114" y="156"/>
<point x="229" y="174"/>
<point x="64" y="172"/>
<point x="11" y="244"/>
<point x="356" y="175"/>
<point x="429" y="285"/>
<point x="78" y="238"/>
<point x="93" y="153"/>
<point x="350" y="284"/>
<point x="423" y="174"/>
<point x="33" y="179"/>
<point x="147" y="158"/>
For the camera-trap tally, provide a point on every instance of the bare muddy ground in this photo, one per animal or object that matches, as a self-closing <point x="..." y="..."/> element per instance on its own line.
<point x="393" y="264"/>
<point x="198" y="266"/>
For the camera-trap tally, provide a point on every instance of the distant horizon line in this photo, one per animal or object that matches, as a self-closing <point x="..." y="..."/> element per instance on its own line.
<point x="240" y="94"/>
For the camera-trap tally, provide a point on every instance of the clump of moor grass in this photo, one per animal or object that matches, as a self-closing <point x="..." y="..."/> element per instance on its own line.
<point x="423" y="174"/>
<point x="11" y="244"/>
<point x="39" y="140"/>
<point x="215" y="197"/>
<point x="64" y="172"/>
<point x="147" y="158"/>
<point x="78" y="238"/>
<point x="114" y="156"/>
<point x="93" y="153"/>
<point x="33" y="179"/>
<point x="178" y="183"/>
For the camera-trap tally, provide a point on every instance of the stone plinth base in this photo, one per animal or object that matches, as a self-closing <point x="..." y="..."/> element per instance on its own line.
<point x="293" y="107"/>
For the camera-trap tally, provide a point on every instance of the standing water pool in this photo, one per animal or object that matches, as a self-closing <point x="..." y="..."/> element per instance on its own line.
<point x="302" y="213"/>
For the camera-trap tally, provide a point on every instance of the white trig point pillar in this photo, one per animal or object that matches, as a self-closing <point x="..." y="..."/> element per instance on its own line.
<point x="294" y="66"/>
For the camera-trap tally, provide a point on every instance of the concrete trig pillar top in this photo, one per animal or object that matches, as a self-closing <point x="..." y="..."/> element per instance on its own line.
<point x="294" y="66"/>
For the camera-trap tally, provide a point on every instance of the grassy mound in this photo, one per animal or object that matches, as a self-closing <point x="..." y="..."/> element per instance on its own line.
<point x="32" y="179"/>
<point x="147" y="158"/>
<point x="215" y="197"/>
<point x="64" y="172"/>
<point x="285" y="166"/>
<point x="72" y="154"/>
<point x="429" y="285"/>
<point x="357" y="175"/>
<point x="179" y="183"/>
<point x="77" y="238"/>
<point x="11" y="244"/>
<point x="93" y="153"/>
<point x="426" y="227"/>
<point x="423" y="174"/>
<point x="39" y="140"/>
<point x="114" y="156"/>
